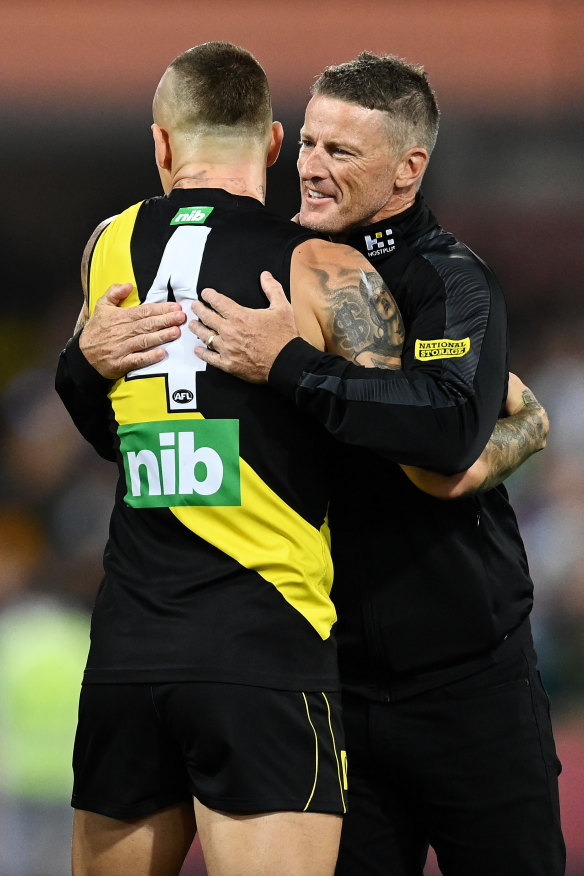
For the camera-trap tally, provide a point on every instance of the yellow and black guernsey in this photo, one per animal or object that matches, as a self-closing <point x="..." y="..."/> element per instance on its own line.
<point x="217" y="566"/>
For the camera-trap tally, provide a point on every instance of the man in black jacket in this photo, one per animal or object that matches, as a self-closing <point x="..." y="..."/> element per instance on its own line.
<point x="447" y="723"/>
<point x="448" y="729"/>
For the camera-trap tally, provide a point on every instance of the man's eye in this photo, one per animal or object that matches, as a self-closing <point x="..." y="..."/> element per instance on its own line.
<point x="304" y="144"/>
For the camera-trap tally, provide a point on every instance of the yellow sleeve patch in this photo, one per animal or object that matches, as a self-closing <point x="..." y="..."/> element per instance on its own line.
<point x="443" y="348"/>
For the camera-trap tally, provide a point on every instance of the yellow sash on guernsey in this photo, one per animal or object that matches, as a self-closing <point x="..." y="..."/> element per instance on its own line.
<point x="288" y="551"/>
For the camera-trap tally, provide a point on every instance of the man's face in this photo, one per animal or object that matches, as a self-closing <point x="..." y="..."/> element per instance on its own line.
<point x="346" y="166"/>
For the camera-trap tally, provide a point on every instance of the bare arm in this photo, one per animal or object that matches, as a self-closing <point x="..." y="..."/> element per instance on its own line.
<point x="339" y="303"/>
<point x="515" y="438"/>
<point x="246" y="342"/>
<point x="335" y="288"/>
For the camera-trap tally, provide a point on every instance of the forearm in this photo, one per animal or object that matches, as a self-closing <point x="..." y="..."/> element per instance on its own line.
<point x="514" y="440"/>
<point x="84" y="392"/>
<point x="407" y="416"/>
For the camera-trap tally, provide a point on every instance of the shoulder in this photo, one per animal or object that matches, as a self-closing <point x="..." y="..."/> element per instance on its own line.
<point x="126" y="215"/>
<point x="320" y="254"/>
<point x="445" y="267"/>
<point x="452" y="259"/>
<point x="89" y="247"/>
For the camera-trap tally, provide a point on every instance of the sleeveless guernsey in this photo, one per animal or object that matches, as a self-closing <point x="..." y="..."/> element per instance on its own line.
<point x="217" y="566"/>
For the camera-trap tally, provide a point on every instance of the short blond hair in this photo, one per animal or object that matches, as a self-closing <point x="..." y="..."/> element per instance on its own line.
<point x="392" y="85"/>
<point x="219" y="86"/>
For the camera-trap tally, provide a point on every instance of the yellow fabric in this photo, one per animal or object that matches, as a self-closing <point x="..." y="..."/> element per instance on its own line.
<point x="111" y="262"/>
<point x="264" y="533"/>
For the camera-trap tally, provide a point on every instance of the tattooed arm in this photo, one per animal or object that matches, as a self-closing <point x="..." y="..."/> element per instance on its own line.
<point x="339" y="304"/>
<point x="246" y="342"/>
<point x="515" y="438"/>
<point x="334" y="286"/>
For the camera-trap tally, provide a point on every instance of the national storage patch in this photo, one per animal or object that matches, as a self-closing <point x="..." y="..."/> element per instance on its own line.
<point x="443" y="348"/>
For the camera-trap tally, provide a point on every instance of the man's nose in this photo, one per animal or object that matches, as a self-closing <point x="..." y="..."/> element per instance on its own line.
<point x="312" y="165"/>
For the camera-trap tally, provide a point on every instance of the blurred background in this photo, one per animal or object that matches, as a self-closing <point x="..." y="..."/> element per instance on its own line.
<point x="507" y="177"/>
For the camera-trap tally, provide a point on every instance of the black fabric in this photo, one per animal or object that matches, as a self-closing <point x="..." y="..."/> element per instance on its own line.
<point x="470" y="768"/>
<point x="426" y="590"/>
<point x="437" y="413"/>
<point x="83" y="391"/>
<point x="236" y="748"/>
<point x="179" y="601"/>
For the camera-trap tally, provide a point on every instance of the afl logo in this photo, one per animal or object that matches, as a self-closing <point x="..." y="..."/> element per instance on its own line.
<point x="182" y="396"/>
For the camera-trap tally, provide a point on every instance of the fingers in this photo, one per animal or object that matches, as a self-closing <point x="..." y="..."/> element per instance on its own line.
<point x="221" y="304"/>
<point x="117" y="293"/>
<point x="273" y="290"/>
<point x="515" y="395"/>
<point x="134" y="361"/>
<point x="212" y="357"/>
<point x="138" y="319"/>
<point x="208" y="316"/>
<point x="515" y="383"/>
<point x="117" y="339"/>
<point x="154" y="318"/>
<point x="205" y="334"/>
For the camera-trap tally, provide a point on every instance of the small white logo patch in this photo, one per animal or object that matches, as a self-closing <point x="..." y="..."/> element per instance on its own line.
<point x="379" y="243"/>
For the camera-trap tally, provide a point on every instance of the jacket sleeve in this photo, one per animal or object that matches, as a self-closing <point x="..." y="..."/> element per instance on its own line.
<point x="84" y="392"/>
<point x="439" y="411"/>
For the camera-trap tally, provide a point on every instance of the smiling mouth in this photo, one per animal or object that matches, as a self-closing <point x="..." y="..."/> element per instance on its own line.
<point x="312" y="194"/>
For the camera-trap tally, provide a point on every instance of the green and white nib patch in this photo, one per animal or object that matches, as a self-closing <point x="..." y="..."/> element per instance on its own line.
<point x="178" y="462"/>
<point x="191" y="215"/>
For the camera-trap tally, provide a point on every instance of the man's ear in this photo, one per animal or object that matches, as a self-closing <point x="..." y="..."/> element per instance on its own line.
<point x="162" y="149"/>
<point x="411" y="168"/>
<point x="275" y="143"/>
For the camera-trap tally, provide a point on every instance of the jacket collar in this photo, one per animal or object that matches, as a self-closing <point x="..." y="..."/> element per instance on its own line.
<point x="385" y="237"/>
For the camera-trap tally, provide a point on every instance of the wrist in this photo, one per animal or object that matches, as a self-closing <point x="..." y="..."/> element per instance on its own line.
<point x="84" y="374"/>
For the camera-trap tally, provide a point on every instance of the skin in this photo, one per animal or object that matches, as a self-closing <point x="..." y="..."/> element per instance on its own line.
<point x="341" y="304"/>
<point x="156" y="845"/>
<point x="349" y="175"/>
<point x="514" y="439"/>
<point x="343" y="184"/>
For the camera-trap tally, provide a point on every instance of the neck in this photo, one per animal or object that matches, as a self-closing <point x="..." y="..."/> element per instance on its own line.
<point x="237" y="177"/>
<point x="398" y="202"/>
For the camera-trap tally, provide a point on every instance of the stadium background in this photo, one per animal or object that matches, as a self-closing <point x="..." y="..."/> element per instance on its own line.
<point x="507" y="176"/>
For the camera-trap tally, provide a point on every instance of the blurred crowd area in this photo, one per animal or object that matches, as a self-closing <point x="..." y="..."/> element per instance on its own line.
<point x="56" y="494"/>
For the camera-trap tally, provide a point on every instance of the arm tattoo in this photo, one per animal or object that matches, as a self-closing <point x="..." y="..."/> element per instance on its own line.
<point x="514" y="440"/>
<point x="364" y="320"/>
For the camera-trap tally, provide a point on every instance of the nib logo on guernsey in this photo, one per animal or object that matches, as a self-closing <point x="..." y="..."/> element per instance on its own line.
<point x="179" y="462"/>
<point x="379" y="243"/>
<point x="191" y="215"/>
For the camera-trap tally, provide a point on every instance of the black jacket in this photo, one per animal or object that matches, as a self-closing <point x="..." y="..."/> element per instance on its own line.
<point x="426" y="590"/>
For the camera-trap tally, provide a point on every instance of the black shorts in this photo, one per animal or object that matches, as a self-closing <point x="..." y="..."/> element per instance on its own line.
<point x="140" y="748"/>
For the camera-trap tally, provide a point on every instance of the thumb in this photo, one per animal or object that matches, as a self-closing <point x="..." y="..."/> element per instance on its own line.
<point x="515" y="382"/>
<point x="273" y="290"/>
<point x="117" y="293"/>
<point x="514" y="402"/>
